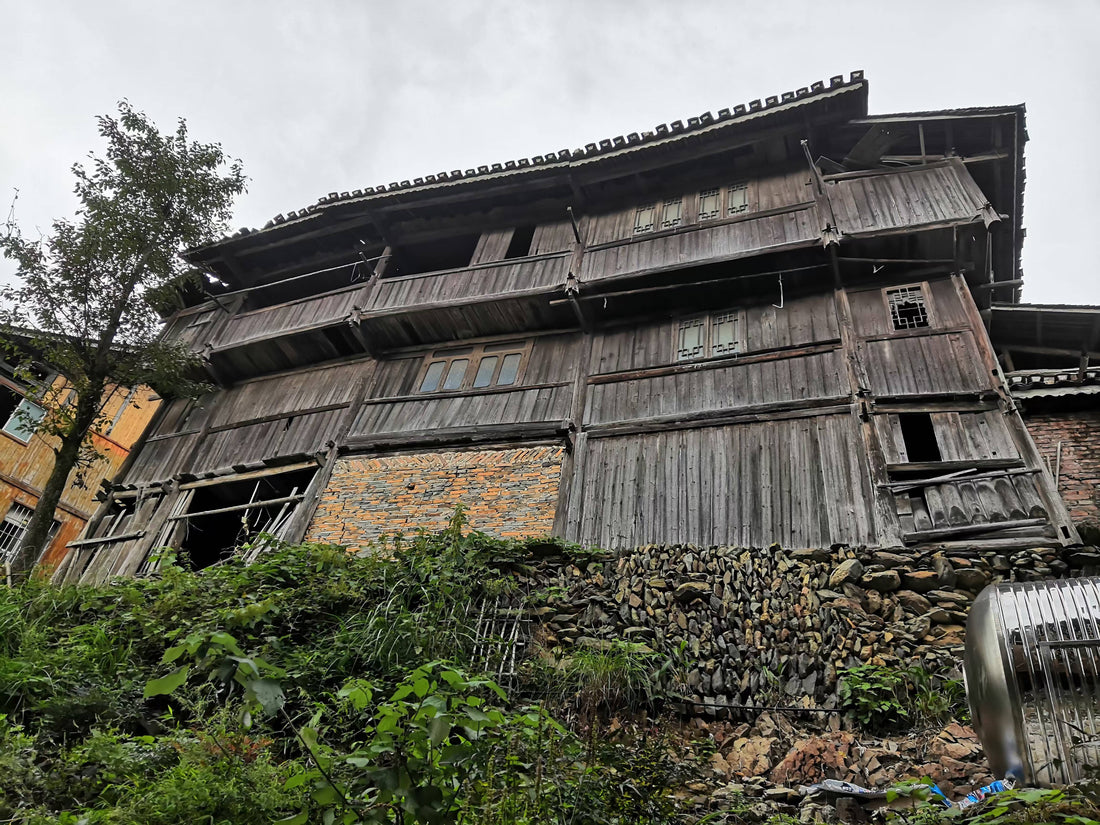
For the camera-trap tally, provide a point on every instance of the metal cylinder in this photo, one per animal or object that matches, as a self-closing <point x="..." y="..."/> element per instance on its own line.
<point x="1032" y="669"/>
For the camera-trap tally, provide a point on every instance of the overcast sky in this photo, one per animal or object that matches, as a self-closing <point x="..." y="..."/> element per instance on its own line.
<point x="325" y="95"/>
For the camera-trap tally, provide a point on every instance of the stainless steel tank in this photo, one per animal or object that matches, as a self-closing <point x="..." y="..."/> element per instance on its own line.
<point x="1032" y="667"/>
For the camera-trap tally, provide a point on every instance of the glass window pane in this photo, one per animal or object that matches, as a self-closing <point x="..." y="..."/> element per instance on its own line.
<point x="724" y="334"/>
<point x="690" y="343"/>
<point x="485" y="371"/>
<point x="509" y="370"/>
<point x="738" y="199"/>
<point x="673" y="213"/>
<point x="432" y="376"/>
<point x="456" y="373"/>
<point x="643" y="218"/>
<point x="24" y="420"/>
<point x="709" y="204"/>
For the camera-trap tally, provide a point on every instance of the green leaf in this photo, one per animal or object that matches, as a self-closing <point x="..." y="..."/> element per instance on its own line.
<point x="267" y="692"/>
<point x="454" y="754"/>
<point x="438" y="730"/>
<point x="173" y="653"/>
<point x="166" y="684"/>
<point x="300" y="818"/>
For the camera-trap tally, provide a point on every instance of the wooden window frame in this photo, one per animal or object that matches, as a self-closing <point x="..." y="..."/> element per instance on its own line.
<point x="723" y="207"/>
<point x="926" y="300"/>
<point x="475" y="353"/>
<point x="710" y="321"/>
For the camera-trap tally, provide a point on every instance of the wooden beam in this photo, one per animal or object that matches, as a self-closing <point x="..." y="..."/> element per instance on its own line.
<point x="972" y="529"/>
<point x="778" y="354"/>
<point x="779" y="411"/>
<point x="524" y="432"/>
<point x="250" y="474"/>
<point x="951" y="466"/>
<point x="236" y="508"/>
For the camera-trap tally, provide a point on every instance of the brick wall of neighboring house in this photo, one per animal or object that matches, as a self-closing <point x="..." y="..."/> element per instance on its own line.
<point x="506" y="492"/>
<point x="1079" y="472"/>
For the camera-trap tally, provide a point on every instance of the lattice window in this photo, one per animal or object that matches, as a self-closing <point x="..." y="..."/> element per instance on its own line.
<point x="723" y="334"/>
<point x="477" y="367"/>
<point x="645" y="218"/>
<point x="12" y="529"/>
<point x="692" y="339"/>
<point x="708" y="336"/>
<point x="673" y="213"/>
<point x="710" y="204"/>
<point x="908" y="309"/>
<point x="737" y="200"/>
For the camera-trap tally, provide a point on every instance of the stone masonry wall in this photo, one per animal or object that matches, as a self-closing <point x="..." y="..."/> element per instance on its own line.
<point x="1079" y="479"/>
<point x="506" y="492"/>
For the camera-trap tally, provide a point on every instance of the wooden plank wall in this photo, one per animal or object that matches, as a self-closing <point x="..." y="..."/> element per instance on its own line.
<point x="496" y="278"/>
<point x="263" y="419"/>
<point x="306" y="313"/>
<point x="543" y="393"/>
<point x="801" y="482"/>
<point x="905" y="198"/>
<point x="742" y="237"/>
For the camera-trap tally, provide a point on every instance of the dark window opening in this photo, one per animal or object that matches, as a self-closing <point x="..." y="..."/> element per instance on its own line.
<point x="919" y="436"/>
<point x="520" y="245"/>
<point x="9" y="400"/>
<point x="434" y="256"/>
<point x="907" y="307"/>
<point x="247" y="508"/>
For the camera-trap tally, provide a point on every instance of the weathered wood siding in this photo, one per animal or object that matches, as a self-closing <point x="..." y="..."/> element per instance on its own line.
<point x="741" y="238"/>
<point x="915" y="196"/>
<point x="543" y="393"/>
<point x="712" y="388"/>
<point x="925" y="364"/>
<point x="807" y="320"/>
<point x="801" y="482"/>
<point x="470" y="284"/>
<point x="961" y="436"/>
<point x="260" y="420"/>
<point x="284" y="319"/>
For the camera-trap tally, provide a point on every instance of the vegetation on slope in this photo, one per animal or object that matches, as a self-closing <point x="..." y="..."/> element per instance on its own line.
<point x="312" y="686"/>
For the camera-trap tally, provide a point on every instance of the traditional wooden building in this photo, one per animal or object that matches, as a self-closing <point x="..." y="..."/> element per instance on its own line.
<point x="26" y="457"/>
<point x="761" y="325"/>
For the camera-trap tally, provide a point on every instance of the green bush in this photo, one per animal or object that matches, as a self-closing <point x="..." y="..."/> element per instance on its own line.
<point x="892" y="699"/>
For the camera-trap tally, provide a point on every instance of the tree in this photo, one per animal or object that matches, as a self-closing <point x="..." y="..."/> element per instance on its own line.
<point x="89" y="293"/>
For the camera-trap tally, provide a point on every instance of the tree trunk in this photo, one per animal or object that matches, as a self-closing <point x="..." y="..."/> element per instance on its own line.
<point x="66" y="456"/>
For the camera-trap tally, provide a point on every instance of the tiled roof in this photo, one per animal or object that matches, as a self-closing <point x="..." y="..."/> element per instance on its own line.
<point x="661" y="133"/>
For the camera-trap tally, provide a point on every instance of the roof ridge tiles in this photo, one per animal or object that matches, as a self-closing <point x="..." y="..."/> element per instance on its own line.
<point x="661" y="131"/>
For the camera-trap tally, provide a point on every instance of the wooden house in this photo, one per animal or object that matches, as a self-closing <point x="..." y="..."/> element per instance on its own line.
<point x="761" y="325"/>
<point x="26" y="457"/>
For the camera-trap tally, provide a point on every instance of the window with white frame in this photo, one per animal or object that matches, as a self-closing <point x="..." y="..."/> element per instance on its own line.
<point x="14" y="526"/>
<point x="24" y="420"/>
<point x="908" y="307"/>
<point x="474" y="367"/>
<point x="708" y="336"/>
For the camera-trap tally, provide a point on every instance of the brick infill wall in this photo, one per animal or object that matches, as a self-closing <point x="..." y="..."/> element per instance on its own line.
<point x="509" y="493"/>
<point x="1079" y="478"/>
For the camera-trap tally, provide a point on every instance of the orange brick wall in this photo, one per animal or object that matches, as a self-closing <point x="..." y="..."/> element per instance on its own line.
<point x="508" y="493"/>
<point x="1079" y="479"/>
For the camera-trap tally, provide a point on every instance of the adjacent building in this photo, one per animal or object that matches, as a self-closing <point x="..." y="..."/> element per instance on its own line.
<point x="761" y="325"/>
<point x="26" y="457"/>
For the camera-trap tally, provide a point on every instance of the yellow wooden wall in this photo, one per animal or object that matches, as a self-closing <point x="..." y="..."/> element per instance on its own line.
<point x="25" y="467"/>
